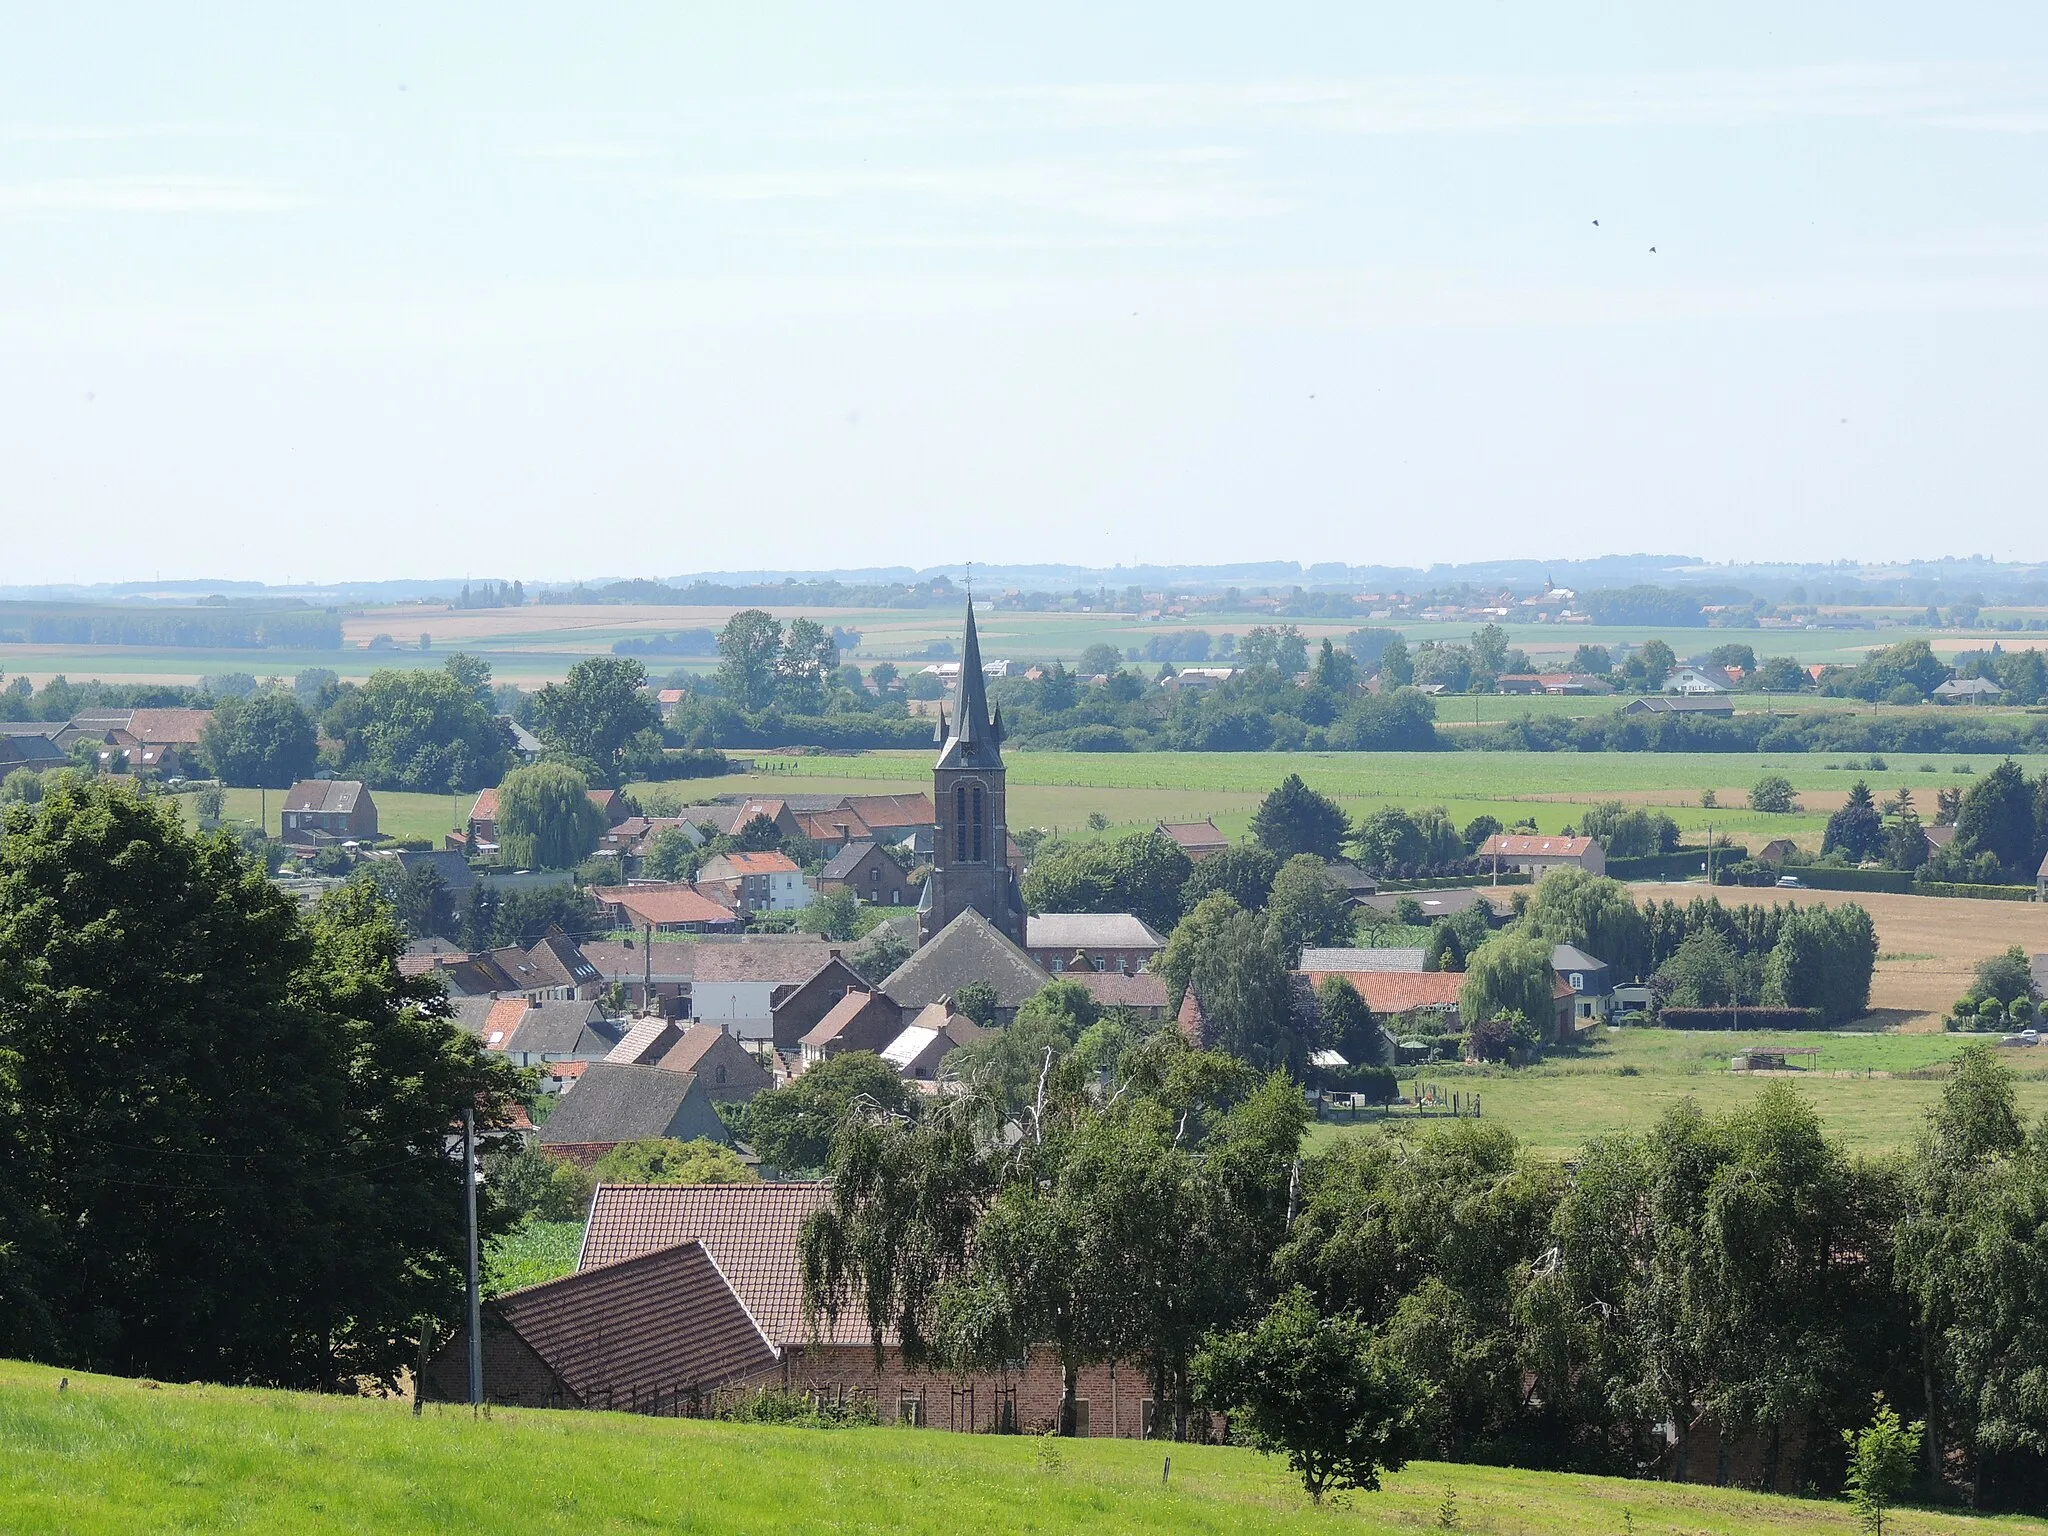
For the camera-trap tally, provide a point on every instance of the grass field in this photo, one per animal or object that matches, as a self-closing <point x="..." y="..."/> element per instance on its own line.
<point x="1060" y="789"/>
<point x="1624" y="1079"/>
<point x="398" y="814"/>
<point x="105" y="1456"/>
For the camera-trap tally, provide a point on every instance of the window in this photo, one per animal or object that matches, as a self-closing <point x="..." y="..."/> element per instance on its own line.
<point x="720" y="1076"/>
<point x="960" y="822"/>
<point x="977" y="824"/>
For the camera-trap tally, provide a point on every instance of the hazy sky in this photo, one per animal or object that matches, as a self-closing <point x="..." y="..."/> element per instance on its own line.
<point x="562" y="290"/>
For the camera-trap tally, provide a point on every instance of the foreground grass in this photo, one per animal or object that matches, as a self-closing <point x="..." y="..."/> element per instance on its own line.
<point x="108" y="1455"/>
<point x="1624" y="1079"/>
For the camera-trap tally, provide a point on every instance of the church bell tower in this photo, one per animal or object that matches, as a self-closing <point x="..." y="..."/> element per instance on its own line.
<point x="970" y="853"/>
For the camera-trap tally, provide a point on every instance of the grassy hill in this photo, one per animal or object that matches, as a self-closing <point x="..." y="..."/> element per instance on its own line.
<point x="107" y="1455"/>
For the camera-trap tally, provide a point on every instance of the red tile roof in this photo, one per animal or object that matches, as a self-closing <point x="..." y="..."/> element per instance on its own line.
<point x="892" y="811"/>
<point x="660" y="904"/>
<point x="750" y="1230"/>
<point x="169" y="727"/>
<point x="1113" y="989"/>
<point x="499" y="1023"/>
<point x="761" y="863"/>
<point x="1397" y="992"/>
<point x="1512" y="845"/>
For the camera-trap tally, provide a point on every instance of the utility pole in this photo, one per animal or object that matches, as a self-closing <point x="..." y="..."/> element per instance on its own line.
<point x="476" y="1338"/>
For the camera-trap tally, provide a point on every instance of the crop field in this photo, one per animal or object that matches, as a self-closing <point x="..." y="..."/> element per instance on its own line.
<point x="539" y="642"/>
<point x="97" y="1455"/>
<point x="1061" y="789"/>
<point x="1624" y="1079"/>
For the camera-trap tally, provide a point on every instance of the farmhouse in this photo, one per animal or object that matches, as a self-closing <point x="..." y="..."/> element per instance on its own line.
<point x="1196" y="839"/>
<point x="866" y="869"/>
<point x="726" y="1068"/>
<point x="1090" y="941"/>
<point x="613" y="1103"/>
<point x="532" y="1031"/>
<point x="1144" y="993"/>
<point x="663" y="908"/>
<point x="328" y="810"/>
<point x="1510" y="852"/>
<point x="1686" y="704"/>
<point x="794" y="1009"/>
<point x="656" y="976"/>
<point x="1696" y="681"/>
<point x="30" y="744"/>
<point x="1968" y="690"/>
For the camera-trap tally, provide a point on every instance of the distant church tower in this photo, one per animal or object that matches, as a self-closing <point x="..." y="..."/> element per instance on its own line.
<point x="970" y="853"/>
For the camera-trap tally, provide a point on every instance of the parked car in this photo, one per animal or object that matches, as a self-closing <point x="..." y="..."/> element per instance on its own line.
<point x="1791" y="883"/>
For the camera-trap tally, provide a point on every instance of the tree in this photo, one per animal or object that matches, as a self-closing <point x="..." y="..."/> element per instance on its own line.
<point x="1593" y="913"/>
<point x="672" y="855"/>
<point x="1703" y="973"/>
<point x="263" y="741"/>
<point x="1334" y="670"/>
<point x="1478" y="830"/>
<point x="1142" y="874"/>
<point x="1318" y="1390"/>
<point x="423" y="903"/>
<point x="886" y="948"/>
<point x="1856" y="831"/>
<point x="596" y="711"/>
<point x="1244" y="870"/>
<point x="1296" y="819"/>
<point x="1509" y="973"/>
<point x="750" y="644"/>
<point x="546" y="819"/>
<point x="664" y="1160"/>
<point x="171" y="1024"/>
<point x="808" y="660"/>
<point x="2005" y="977"/>
<point x="1394" y="837"/>
<point x="980" y="1002"/>
<point x="1653" y="663"/>
<point x="1782" y="674"/>
<point x="1823" y="958"/>
<point x="1445" y="951"/>
<point x="420" y="731"/>
<point x="1397" y="668"/>
<point x="792" y="1127"/>
<point x="1772" y="794"/>
<point x="522" y="1181"/>
<point x="1592" y="661"/>
<point x="1240" y="977"/>
<point x="1881" y="1457"/>
<point x="831" y="915"/>
<point x="1348" y="1025"/>
<point x="1997" y="817"/>
<point x="474" y="674"/>
<point x="1306" y="908"/>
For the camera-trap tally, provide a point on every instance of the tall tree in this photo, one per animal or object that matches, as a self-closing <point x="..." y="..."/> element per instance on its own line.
<point x="750" y="644"/>
<point x="1856" y="831"/>
<point x="1571" y="906"/>
<point x="1306" y="908"/>
<point x="596" y="711"/>
<point x="420" y="731"/>
<point x="809" y="658"/>
<point x="545" y="817"/>
<point x="1296" y="819"/>
<point x="265" y="741"/>
<point x="1509" y="974"/>
<point x="1997" y="817"/>
<point x="1244" y="870"/>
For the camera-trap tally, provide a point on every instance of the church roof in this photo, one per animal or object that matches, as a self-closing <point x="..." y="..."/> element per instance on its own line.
<point x="970" y="948"/>
<point x="976" y="737"/>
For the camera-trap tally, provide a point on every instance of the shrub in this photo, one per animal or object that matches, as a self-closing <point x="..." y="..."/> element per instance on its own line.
<point x="799" y="1410"/>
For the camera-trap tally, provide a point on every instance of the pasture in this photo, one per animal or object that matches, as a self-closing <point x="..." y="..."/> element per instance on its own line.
<point x="101" y="1455"/>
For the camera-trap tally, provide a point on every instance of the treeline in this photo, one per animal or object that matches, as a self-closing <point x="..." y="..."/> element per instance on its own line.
<point x="937" y="592"/>
<point x="185" y="628"/>
<point x="1949" y="731"/>
<point x="1706" y="955"/>
<point x="1720" y="1290"/>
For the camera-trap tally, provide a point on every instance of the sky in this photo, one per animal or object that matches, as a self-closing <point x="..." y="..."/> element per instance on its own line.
<point x="554" y="291"/>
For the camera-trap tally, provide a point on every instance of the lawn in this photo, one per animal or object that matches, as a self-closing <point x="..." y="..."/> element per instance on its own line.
<point x="398" y="814"/>
<point x="1625" y="1079"/>
<point x="103" y="1456"/>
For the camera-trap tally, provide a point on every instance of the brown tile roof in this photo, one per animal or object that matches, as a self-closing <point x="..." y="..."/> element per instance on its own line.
<point x="1194" y="834"/>
<point x="628" y="962"/>
<point x="659" y="904"/>
<point x="486" y="806"/>
<point x="889" y="812"/>
<point x="689" y="1048"/>
<point x="338" y="796"/>
<point x="501" y="1021"/>
<point x="169" y="727"/>
<point x="833" y="826"/>
<point x="1510" y="845"/>
<point x="663" y="1319"/>
<point x="750" y="1230"/>
<point x="866" y="1021"/>
<point x="791" y="960"/>
<point x="760" y="863"/>
<point x="1397" y="992"/>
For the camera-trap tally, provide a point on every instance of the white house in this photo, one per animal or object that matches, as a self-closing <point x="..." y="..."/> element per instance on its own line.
<point x="736" y="986"/>
<point x="755" y="882"/>
<point x="1695" y="680"/>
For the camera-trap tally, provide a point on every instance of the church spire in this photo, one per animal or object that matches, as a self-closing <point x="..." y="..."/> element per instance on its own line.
<point x="971" y="721"/>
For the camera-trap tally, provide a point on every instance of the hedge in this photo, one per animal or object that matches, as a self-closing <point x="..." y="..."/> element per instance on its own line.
<point x="1823" y="878"/>
<point x="1740" y="1018"/>
<point x="1676" y="865"/>
<point x="686" y="763"/>
<point x="1979" y="892"/>
<point x="1454" y="882"/>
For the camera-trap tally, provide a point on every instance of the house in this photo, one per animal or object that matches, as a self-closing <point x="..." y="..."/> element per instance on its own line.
<point x="1514" y="852"/>
<point x="613" y="1103"/>
<point x="736" y="985"/>
<point x="659" y="1332"/>
<point x="1144" y="993"/>
<point x="1777" y="851"/>
<point x="729" y="1071"/>
<point x="1590" y="981"/>
<point x="480" y="832"/>
<point x="1322" y="962"/>
<point x="752" y="1233"/>
<point x="656" y="977"/>
<point x="833" y="828"/>
<point x="2040" y="962"/>
<point x="1439" y="903"/>
<point x="1349" y="881"/>
<point x="30" y="744"/>
<point x="328" y="810"/>
<point x="1939" y="837"/>
<point x="891" y="817"/>
<point x="531" y="1031"/>
<point x="665" y="908"/>
<point x="1968" y="690"/>
<point x="1574" y="684"/>
<point x="1417" y="998"/>
<point x="669" y="700"/>
<point x="859" y="1021"/>
<point x="795" y="1009"/>
<point x="1197" y="679"/>
<point x="448" y="866"/>
<point x="755" y="882"/>
<point x="865" y="869"/>
<point x="1518" y="682"/>
<point x="525" y="745"/>
<point x="1696" y="681"/>
<point x="1092" y="941"/>
<point x="1196" y="839"/>
<point x="929" y="1038"/>
<point x="968" y="949"/>
<point x="144" y="741"/>
<point x="778" y="813"/>
<point x="553" y="967"/>
<point x="1686" y="704"/>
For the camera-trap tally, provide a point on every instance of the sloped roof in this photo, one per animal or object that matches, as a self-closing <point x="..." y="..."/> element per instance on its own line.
<point x="750" y="1230"/>
<point x="615" y="1102"/>
<point x="500" y="1021"/>
<point x="786" y="960"/>
<point x="890" y="812"/>
<point x="1089" y="930"/>
<point x="335" y="797"/>
<point x="1113" y="989"/>
<point x="557" y="1028"/>
<point x="1194" y="834"/>
<point x="553" y="962"/>
<point x="169" y="727"/>
<point x="1320" y="960"/>
<point x="659" y="904"/>
<point x="628" y="962"/>
<point x="690" y="1047"/>
<point x="846" y="861"/>
<point x="860" y="1012"/>
<point x="832" y="826"/>
<point x="645" y="1040"/>
<point x="1516" y="845"/>
<point x="1569" y="957"/>
<point x="968" y="949"/>
<point x="667" y="1317"/>
<point x="1394" y="992"/>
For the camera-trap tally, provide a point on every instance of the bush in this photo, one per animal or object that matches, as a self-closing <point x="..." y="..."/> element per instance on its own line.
<point x="799" y="1410"/>
<point x="1741" y="1018"/>
<point x="1773" y="794"/>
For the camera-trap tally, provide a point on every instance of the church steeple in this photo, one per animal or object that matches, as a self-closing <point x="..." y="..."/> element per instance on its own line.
<point x="976" y="739"/>
<point x="970" y="846"/>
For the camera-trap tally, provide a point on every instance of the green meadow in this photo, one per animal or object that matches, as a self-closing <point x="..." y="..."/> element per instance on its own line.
<point x="100" y="1456"/>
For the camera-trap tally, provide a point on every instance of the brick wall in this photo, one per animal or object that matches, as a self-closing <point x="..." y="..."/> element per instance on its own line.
<point x="513" y="1373"/>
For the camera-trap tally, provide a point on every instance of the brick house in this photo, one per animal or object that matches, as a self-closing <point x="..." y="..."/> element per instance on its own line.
<point x="1197" y="839"/>
<point x="860" y="1021"/>
<point x="328" y="810"/>
<point x="613" y="1102"/>
<point x="668" y="908"/>
<point x="867" y="870"/>
<point x="1090" y="941"/>
<point x="737" y="985"/>
<point x="795" y="1009"/>
<point x="728" y="1070"/>
<point x="657" y="977"/>
<point x="834" y="828"/>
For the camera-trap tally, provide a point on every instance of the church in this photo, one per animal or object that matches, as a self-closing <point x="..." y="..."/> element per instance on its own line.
<point x="971" y="868"/>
